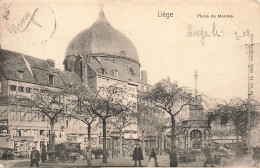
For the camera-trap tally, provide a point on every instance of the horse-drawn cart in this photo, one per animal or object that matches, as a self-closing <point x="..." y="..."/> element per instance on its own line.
<point x="68" y="151"/>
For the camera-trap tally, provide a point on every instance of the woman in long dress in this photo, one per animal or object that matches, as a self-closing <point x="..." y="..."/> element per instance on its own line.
<point x="152" y="159"/>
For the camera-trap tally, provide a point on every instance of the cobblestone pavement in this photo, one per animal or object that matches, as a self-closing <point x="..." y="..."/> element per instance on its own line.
<point x="163" y="161"/>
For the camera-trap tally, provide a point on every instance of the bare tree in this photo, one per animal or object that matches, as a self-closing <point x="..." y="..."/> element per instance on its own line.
<point x="120" y="122"/>
<point x="80" y="106"/>
<point x="234" y="113"/>
<point x="171" y="99"/>
<point x="50" y="104"/>
<point x="150" y="117"/>
<point x="110" y="101"/>
<point x="144" y="119"/>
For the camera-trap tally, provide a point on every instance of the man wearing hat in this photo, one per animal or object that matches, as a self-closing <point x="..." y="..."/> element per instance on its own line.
<point x="207" y="154"/>
<point x="35" y="157"/>
<point x="138" y="154"/>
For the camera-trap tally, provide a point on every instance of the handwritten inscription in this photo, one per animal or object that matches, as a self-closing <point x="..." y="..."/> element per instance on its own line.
<point x="6" y="11"/>
<point x="22" y="25"/>
<point x="203" y="34"/>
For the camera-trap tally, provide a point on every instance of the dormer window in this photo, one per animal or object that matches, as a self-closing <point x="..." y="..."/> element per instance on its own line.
<point x="115" y="73"/>
<point x="51" y="79"/>
<point x="102" y="71"/>
<point x="123" y="53"/>
<point x="132" y="71"/>
<point x="19" y="74"/>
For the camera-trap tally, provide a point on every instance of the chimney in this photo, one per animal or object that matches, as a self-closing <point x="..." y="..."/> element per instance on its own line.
<point x="168" y="80"/>
<point x="144" y="76"/>
<point x="84" y="70"/>
<point x="175" y="82"/>
<point x="51" y="62"/>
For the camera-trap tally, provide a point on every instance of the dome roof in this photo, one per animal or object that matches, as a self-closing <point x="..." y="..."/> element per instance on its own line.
<point x="104" y="40"/>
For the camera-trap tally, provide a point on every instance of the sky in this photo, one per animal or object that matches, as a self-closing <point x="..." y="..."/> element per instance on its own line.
<point x="173" y="47"/>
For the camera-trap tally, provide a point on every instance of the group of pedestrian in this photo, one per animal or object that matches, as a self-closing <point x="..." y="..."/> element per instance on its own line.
<point x="35" y="156"/>
<point x="137" y="156"/>
<point x="152" y="161"/>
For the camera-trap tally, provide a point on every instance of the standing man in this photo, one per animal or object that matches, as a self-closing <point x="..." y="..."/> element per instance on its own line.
<point x="35" y="157"/>
<point x="138" y="155"/>
<point x="43" y="156"/>
<point x="207" y="153"/>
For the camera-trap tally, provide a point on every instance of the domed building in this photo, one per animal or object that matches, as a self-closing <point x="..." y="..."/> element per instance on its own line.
<point x="101" y="55"/>
<point x="102" y="43"/>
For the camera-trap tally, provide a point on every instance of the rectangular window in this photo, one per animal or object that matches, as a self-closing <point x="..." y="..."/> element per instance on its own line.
<point x="115" y="73"/>
<point x="18" y="115"/>
<point x="29" y="116"/>
<point x="25" y="133"/>
<point x="42" y="133"/>
<point x="43" y="118"/>
<point x="13" y="88"/>
<point x="51" y="79"/>
<point x="36" y="132"/>
<point x="20" y="89"/>
<point x="22" y="116"/>
<point x="28" y="90"/>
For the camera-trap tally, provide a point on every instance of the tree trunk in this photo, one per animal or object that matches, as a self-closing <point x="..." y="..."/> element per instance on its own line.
<point x="238" y="150"/>
<point x="161" y="141"/>
<point x="89" y="136"/>
<point x="121" y="143"/>
<point x="52" y="142"/>
<point x="173" y="133"/>
<point x="104" y="141"/>
<point x="237" y="138"/>
<point x="143" y="141"/>
<point x="89" y="146"/>
<point x="156" y="141"/>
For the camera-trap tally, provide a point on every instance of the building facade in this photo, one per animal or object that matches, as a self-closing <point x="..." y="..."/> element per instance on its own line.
<point x="23" y="127"/>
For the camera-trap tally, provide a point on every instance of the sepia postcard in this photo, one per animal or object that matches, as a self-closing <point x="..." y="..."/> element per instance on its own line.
<point x="130" y="83"/>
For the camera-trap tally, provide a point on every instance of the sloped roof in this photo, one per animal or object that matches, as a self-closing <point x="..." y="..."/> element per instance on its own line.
<point x="96" y="64"/>
<point x="34" y="70"/>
